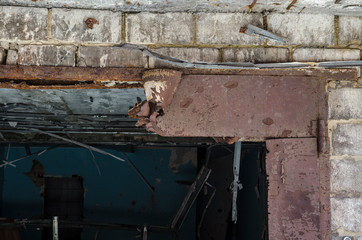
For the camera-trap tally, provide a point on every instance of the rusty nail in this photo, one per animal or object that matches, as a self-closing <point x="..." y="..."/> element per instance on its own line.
<point x="90" y="22"/>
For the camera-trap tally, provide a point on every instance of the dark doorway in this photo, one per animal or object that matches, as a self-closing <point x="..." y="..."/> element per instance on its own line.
<point x="215" y="202"/>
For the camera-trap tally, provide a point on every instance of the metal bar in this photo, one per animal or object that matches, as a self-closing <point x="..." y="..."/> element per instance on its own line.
<point x="69" y="74"/>
<point x="81" y="224"/>
<point x="55" y="228"/>
<point x="236" y="183"/>
<point x="38" y="153"/>
<point x="190" y="198"/>
<point x="76" y="143"/>
<point x="139" y="172"/>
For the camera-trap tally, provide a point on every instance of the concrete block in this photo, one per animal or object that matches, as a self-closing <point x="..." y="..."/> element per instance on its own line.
<point x="350" y="30"/>
<point x="346" y="175"/>
<point x="345" y="103"/>
<point x="2" y="56"/>
<point x="70" y="25"/>
<point x="47" y="55"/>
<point x="5" y="45"/>
<point x="320" y="54"/>
<point x="302" y="29"/>
<point x="209" y="55"/>
<point x="12" y="57"/>
<point x="224" y="28"/>
<point x="347" y="139"/>
<point x="110" y="57"/>
<point x="23" y="23"/>
<point x="346" y="213"/>
<point x="256" y="55"/>
<point x="152" y="28"/>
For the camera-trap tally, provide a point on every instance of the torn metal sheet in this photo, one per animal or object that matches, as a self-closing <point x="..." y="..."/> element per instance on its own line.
<point x="294" y="209"/>
<point x="160" y="86"/>
<point x="254" y="107"/>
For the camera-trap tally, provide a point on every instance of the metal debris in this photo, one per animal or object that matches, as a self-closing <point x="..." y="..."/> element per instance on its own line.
<point x="256" y="31"/>
<point x="240" y="65"/>
<point x="250" y="7"/>
<point x="236" y="185"/>
<point x="38" y="153"/>
<point x="95" y="163"/>
<point x="292" y="4"/>
<point x="190" y="198"/>
<point x="138" y="172"/>
<point x="90" y="22"/>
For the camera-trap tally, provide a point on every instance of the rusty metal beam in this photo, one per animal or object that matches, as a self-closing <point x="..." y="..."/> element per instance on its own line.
<point x="38" y="77"/>
<point x="254" y="107"/>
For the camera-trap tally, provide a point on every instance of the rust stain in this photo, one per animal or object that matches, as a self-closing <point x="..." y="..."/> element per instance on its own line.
<point x="286" y="133"/>
<point x="90" y="22"/>
<point x="301" y="10"/>
<point x="268" y="121"/>
<point x="243" y="30"/>
<point x="133" y="203"/>
<point x="250" y="7"/>
<point x="277" y="4"/>
<point x="231" y="84"/>
<point x="186" y="102"/>
<point x="200" y="89"/>
<point x="293" y="2"/>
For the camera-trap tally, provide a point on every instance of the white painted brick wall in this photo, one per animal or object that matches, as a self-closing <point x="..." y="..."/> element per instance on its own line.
<point x="345" y="103"/>
<point x="12" y="57"/>
<point x="320" y="55"/>
<point x="22" y="23"/>
<point x="256" y="55"/>
<point x="151" y="28"/>
<point x="346" y="214"/>
<point x="69" y="25"/>
<point x="47" y="55"/>
<point x="110" y="57"/>
<point x="350" y="30"/>
<point x="347" y="139"/>
<point x="224" y="28"/>
<point x="188" y="54"/>
<point x="302" y="29"/>
<point x="346" y="175"/>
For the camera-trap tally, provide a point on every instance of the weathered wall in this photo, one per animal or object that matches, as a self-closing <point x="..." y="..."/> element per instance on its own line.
<point x="345" y="131"/>
<point x="40" y="36"/>
<point x="60" y="37"/>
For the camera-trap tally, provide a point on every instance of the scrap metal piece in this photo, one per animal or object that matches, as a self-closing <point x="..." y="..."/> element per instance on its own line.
<point x="190" y="198"/>
<point x="292" y="4"/>
<point x="55" y="228"/>
<point x="144" y="233"/>
<point x="236" y="185"/>
<point x="256" y="31"/>
<point x="152" y="188"/>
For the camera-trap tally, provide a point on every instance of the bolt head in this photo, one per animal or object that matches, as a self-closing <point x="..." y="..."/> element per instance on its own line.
<point x="347" y="238"/>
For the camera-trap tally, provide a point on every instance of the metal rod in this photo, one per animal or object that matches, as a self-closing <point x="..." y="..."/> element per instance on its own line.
<point x="75" y="143"/>
<point x="236" y="183"/>
<point x="55" y="228"/>
<point x="38" y="153"/>
<point x="139" y="172"/>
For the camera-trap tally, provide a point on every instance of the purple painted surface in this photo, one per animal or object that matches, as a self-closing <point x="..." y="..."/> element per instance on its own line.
<point x="293" y="195"/>
<point x="251" y="107"/>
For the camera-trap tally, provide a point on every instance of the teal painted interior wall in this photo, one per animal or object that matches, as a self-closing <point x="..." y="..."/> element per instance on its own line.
<point x="117" y="196"/>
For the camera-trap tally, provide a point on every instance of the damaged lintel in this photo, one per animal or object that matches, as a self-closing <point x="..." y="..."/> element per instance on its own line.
<point x="45" y="77"/>
<point x="254" y="104"/>
<point x="35" y="77"/>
